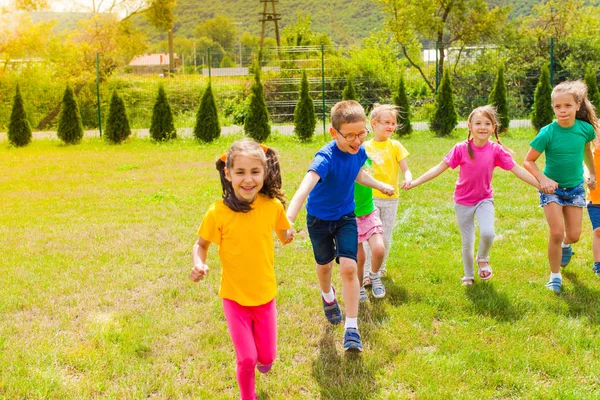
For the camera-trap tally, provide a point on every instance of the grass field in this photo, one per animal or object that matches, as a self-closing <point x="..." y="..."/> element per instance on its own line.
<point x="95" y="300"/>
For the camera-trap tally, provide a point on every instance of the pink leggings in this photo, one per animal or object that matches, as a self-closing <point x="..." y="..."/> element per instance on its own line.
<point x="253" y="330"/>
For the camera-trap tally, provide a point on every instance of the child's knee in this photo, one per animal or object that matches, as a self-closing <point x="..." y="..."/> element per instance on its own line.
<point x="378" y="251"/>
<point x="487" y="236"/>
<point x="348" y="268"/>
<point x="597" y="233"/>
<point x="247" y="363"/>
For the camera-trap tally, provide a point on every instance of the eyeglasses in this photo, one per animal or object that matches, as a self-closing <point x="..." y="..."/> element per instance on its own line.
<point x="351" y="137"/>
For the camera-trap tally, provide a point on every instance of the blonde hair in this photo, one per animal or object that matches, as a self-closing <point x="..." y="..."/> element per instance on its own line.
<point x="380" y="109"/>
<point x="347" y="112"/>
<point x="490" y="113"/>
<point x="578" y="89"/>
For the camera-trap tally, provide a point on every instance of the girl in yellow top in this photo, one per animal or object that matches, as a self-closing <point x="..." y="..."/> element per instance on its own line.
<point x="242" y="225"/>
<point x="593" y="206"/>
<point x="389" y="158"/>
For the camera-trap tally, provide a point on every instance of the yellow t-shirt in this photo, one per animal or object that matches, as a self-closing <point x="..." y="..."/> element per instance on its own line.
<point x="386" y="156"/>
<point x="594" y="195"/>
<point x="245" y="243"/>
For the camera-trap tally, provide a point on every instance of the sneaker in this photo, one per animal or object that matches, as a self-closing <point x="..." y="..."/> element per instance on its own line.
<point x="263" y="369"/>
<point x="567" y="253"/>
<point x="352" y="340"/>
<point x="377" y="287"/>
<point x="366" y="281"/>
<point x="362" y="295"/>
<point x="554" y="284"/>
<point x="332" y="310"/>
<point x="382" y="272"/>
<point x="596" y="268"/>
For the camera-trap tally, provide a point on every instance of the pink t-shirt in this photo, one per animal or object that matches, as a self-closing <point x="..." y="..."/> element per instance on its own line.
<point x="474" y="182"/>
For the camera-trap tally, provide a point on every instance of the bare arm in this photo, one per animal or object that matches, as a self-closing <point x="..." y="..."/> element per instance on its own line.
<point x="308" y="183"/>
<point x="367" y="180"/>
<point x="285" y="235"/>
<point x="405" y="172"/>
<point x="525" y="176"/>
<point x="547" y="185"/>
<point x="429" y="175"/>
<point x="199" y="252"/>
<point x="588" y="158"/>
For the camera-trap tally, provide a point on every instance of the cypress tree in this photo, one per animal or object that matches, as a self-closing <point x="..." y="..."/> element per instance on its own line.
<point x="304" y="113"/>
<point x="444" y="116"/>
<point x="117" y="124"/>
<point x="162" y="127"/>
<point x="349" y="93"/>
<point x="499" y="100"/>
<point x="19" y="130"/>
<point x="592" y="84"/>
<point x="256" y="123"/>
<point x="207" y="126"/>
<point x="70" y="128"/>
<point x="543" y="114"/>
<point x="401" y="100"/>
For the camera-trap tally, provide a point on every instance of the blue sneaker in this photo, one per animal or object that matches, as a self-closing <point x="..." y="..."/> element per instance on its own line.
<point x="567" y="253"/>
<point x="332" y="310"/>
<point x="554" y="285"/>
<point x="362" y="295"/>
<point x="263" y="369"/>
<point x="377" y="287"/>
<point x="596" y="268"/>
<point x="352" y="340"/>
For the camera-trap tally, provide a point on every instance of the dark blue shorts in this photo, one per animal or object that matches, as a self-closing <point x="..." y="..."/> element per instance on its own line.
<point x="594" y="213"/>
<point x="333" y="239"/>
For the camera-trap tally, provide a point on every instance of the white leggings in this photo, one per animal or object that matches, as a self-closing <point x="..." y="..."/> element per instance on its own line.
<point x="465" y="216"/>
<point x="388" y="210"/>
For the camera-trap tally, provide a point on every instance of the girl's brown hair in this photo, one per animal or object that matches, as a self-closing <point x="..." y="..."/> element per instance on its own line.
<point x="270" y="160"/>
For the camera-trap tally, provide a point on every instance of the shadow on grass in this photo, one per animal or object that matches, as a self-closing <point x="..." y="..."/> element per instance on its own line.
<point x="487" y="301"/>
<point x="582" y="301"/>
<point x="342" y="376"/>
<point x="262" y="396"/>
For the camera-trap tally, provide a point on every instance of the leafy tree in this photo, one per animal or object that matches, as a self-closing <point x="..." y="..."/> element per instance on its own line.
<point x="499" y="100"/>
<point x="401" y="100"/>
<point x="543" y="114"/>
<point x="447" y="22"/>
<point x="227" y="62"/>
<point x="444" y="115"/>
<point x="19" y="131"/>
<point x="305" y="120"/>
<point x="221" y="30"/>
<point x="162" y="127"/>
<point x="299" y="33"/>
<point x="207" y="126"/>
<point x="592" y="84"/>
<point x="256" y="123"/>
<point x="349" y="93"/>
<point x="117" y="124"/>
<point x="160" y="14"/>
<point x="70" y="128"/>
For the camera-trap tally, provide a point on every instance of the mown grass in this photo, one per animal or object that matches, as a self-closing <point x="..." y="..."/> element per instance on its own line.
<point x="95" y="300"/>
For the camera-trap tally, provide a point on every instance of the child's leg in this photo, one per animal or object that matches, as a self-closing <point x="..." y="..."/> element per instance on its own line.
<point x="265" y="333"/>
<point x="484" y="212"/>
<point x="388" y="211"/>
<point x="554" y="217"/>
<point x="573" y="217"/>
<point x="350" y="286"/>
<point x="377" y="251"/>
<point x="324" y="275"/>
<point x="360" y="263"/>
<point x="466" y="224"/>
<point x="239" y="324"/>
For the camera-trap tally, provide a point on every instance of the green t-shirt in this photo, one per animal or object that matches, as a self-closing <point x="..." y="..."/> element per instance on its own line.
<point x="363" y="195"/>
<point x="564" y="151"/>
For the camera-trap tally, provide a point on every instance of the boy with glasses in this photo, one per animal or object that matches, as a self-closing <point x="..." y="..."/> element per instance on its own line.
<point x="329" y="186"/>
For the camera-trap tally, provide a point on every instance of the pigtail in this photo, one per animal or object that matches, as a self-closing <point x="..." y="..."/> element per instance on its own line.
<point x="272" y="184"/>
<point x="469" y="148"/>
<point x="228" y="194"/>
<point x="587" y="113"/>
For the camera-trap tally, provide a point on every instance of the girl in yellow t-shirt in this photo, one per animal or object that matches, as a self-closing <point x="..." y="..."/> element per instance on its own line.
<point x="389" y="158"/>
<point x="242" y="225"/>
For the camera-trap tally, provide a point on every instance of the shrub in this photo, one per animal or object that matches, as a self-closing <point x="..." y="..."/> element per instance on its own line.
<point x="592" y="84"/>
<point x="70" y="128"/>
<point x="19" y="130"/>
<point x="401" y="100"/>
<point x="207" y="126"/>
<point x="543" y="113"/>
<point x="227" y="62"/>
<point x="162" y="127"/>
<point x="304" y="113"/>
<point x="444" y="116"/>
<point x="499" y="100"/>
<point x="256" y="123"/>
<point x="349" y="93"/>
<point x="117" y="124"/>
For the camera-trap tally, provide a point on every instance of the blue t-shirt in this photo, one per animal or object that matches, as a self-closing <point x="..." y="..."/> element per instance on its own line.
<point x="333" y="196"/>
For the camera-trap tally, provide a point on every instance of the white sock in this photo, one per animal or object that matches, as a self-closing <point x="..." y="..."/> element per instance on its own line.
<point x="563" y="245"/>
<point x="557" y="275"/>
<point x="373" y="275"/>
<point x="351" y="323"/>
<point x="328" y="297"/>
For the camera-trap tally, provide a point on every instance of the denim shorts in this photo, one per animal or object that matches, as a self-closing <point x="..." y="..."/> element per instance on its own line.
<point x="594" y="213"/>
<point x="333" y="239"/>
<point x="565" y="197"/>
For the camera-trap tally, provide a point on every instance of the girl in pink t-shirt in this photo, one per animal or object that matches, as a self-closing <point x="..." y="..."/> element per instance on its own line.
<point x="477" y="158"/>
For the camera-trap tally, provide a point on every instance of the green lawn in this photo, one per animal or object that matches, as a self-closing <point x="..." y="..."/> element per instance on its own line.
<point x="95" y="300"/>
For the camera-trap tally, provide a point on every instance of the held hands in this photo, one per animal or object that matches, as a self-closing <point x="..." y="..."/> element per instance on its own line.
<point x="289" y="235"/>
<point x="548" y="186"/>
<point x="387" y="189"/>
<point x="199" y="272"/>
<point x="591" y="181"/>
<point x="407" y="185"/>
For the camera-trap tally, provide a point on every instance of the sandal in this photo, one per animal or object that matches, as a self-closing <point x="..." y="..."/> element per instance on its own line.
<point x="485" y="271"/>
<point x="466" y="281"/>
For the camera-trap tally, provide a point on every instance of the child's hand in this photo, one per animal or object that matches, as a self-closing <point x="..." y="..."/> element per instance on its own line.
<point x="289" y="235"/>
<point x="199" y="272"/>
<point x="387" y="189"/>
<point x="547" y="185"/>
<point x="591" y="181"/>
<point x="406" y="184"/>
